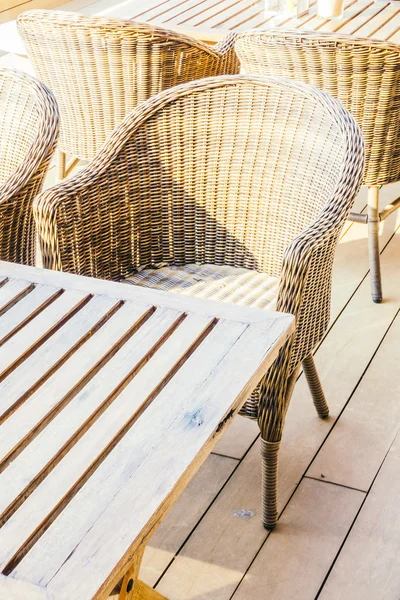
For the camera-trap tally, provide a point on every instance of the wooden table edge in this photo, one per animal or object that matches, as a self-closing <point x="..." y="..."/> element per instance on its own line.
<point x="145" y="296"/>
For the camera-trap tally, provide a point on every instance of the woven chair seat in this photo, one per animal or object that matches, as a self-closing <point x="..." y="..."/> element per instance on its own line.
<point x="223" y="283"/>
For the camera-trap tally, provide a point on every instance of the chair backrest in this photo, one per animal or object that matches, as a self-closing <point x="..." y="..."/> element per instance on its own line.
<point x="29" y="123"/>
<point x="100" y="69"/>
<point x="225" y="170"/>
<point x="363" y="74"/>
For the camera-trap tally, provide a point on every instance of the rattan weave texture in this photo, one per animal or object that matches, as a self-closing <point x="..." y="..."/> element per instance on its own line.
<point x="100" y="69"/>
<point x="29" y="124"/>
<point x="364" y="75"/>
<point x="244" y="287"/>
<point x="248" y="172"/>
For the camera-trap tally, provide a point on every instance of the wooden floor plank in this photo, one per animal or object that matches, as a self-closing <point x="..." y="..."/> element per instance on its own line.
<point x="204" y="564"/>
<point x="221" y="548"/>
<point x="184" y="516"/>
<point x="368" y="565"/>
<point x="353" y="452"/>
<point x="238" y="438"/>
<point x="296" y="557"/>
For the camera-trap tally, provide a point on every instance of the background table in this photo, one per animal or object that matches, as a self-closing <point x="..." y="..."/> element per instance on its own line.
<point x="111" y="397"/>
<point x="209" y="19"/>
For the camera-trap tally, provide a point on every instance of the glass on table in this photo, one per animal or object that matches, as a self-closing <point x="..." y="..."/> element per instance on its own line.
<point x="294" y="8"/>
<point x="330" y="9"/>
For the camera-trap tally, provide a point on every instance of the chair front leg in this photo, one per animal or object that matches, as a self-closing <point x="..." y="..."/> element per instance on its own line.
<point x="315" y="386"/>
<point x="271" y="435"/>
<point x="373" y="244"/>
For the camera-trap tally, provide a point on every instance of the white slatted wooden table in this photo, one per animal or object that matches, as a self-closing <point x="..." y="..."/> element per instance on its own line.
<point x="211" y="19"/>
<point x="111" y="397"/>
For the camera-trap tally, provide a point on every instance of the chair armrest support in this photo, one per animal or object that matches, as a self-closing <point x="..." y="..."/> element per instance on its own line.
<point x="226" y="44"/>
<point x="306" y="282"/>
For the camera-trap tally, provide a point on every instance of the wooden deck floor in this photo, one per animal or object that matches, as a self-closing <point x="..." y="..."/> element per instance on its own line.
<point x="338" y="536"/>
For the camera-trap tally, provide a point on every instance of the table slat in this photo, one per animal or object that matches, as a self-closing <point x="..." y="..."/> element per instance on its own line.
<point x="156" y="10"/>
<point x="244" y="20"/>
<point x="27" y="308"/>
<point x="312" y="21"/>
<point x="13" y="589"/>
<point x="113" y="473"/>
<point x="352" y="26"/>
<point x="224" y="19"/>
<point x="102" y="382"/>
<point x="395" y="38"/>
<point x="129" y="10"/>
<point x="365" y="18"/>
<point x="20" y="428"/>
<point x="182" y="421"/>
<point x="44" y="358"/>
<point x="89" y="448"/>
<point x="286" y="22"/>
<point x="11" y="291"/>
<point x="389" y="28"/>
<point x="376" y="26"/>
<point x="194" y="9"/>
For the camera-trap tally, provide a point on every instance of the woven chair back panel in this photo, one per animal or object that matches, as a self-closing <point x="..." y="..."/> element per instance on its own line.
<point x="365" y="77"/>
<point x="19" y="124"/>
<point x="228" y="176"/>
<point x="29" y="123"/>
<point x="100" y="73"/>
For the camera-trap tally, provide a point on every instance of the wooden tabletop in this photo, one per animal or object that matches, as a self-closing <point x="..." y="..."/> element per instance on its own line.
<point x="111" y="397"/>
<point x="209" y="19"/>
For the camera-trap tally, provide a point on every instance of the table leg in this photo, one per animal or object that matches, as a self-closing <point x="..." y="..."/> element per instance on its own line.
<point x="134" y="589"/>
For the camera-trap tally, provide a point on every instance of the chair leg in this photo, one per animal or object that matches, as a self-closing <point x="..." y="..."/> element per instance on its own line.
<point x="269" y="482"/>
<point x="269" y="461"/>
<point x="62" y="165"/>
<point x="315" y="386"/>
<point x="373" y="244"/>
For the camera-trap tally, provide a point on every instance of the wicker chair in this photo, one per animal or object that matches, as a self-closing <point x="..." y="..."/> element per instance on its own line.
<point x="100" y="69"/>
<point x="231" y="188"/>
<point x="365" y="75"/>
<point x="28" y="135"/>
